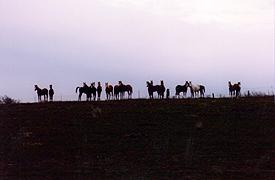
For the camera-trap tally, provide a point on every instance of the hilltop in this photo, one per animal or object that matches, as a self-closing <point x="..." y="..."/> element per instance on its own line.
<point x="139" y="139"/>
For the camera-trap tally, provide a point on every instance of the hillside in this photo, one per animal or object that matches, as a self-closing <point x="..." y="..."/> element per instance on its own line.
<point x="139" y="139"/>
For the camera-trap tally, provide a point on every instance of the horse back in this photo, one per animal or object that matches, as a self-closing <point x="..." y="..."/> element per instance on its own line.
<point x="44" y="91"/>
<point x="129" y="88"/>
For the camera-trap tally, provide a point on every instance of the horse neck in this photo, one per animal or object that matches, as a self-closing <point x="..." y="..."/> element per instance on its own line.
<point x="38" y="89"/>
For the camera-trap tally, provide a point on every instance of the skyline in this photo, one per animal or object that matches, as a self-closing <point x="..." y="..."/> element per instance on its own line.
<point x="65" y="43"/>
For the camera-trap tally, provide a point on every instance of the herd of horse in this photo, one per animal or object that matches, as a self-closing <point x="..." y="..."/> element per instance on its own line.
<point x="118" y="91"/>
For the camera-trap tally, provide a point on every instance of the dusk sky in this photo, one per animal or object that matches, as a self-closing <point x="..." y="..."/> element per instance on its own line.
<point x="68" y="42"/>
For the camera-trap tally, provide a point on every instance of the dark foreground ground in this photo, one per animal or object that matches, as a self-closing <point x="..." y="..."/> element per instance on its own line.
<point x="139" y="139"/>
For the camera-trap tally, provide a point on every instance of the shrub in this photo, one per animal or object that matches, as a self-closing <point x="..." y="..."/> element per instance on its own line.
<point x="7" y="100"/>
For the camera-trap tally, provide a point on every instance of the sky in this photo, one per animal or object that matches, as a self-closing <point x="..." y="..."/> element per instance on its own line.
<point x="68" y="42"/>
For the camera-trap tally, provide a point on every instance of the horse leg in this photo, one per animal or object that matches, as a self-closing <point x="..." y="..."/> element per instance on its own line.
<point x="129" y="95"/>
<point x="79" y="96"/>
<point x="237" y="93"/>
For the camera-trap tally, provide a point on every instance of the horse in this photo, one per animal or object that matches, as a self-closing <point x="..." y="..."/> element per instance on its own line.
<point x="182" y="88"/>
<point x="196" y="89"/>
<point x="109" y="91"/>
<point x="41" y="92"/>
<point x="160" y="89"/>
<point x="116" y="92"/>
<point x="235" y="89"/>
<point x="99" y="90"/>
<point x="93" y="91"/>
<point x="86" y="90"/>
<point x="125" y="88"/>
<point x="151" y="89"/>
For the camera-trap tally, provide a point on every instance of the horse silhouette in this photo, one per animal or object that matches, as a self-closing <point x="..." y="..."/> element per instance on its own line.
<point x="160" y="89"/>
<point x="109" y="91"/>
<point x="98" y="90"/>
<point x="92" y="92"/>
<point x="84" y="89"/>
<point x="122" y="88"/>
<point x="151" y="89"/>
<point x="182" y="88"/>
<point x="235" y="89"/>
<point x="41" y="92"/>
<point x="116" y="91"/>
<point x="196" y="90"/>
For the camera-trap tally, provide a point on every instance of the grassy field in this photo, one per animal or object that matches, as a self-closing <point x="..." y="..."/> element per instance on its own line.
<point x="139" y="139"/>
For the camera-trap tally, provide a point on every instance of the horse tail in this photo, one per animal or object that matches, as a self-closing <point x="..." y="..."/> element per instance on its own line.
<point x="76" y="89"/>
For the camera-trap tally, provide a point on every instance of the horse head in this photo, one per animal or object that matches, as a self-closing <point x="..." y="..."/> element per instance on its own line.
<point x="186" y="84"/>
<point x="36" y="87"/>
<point x="149" y="83"/>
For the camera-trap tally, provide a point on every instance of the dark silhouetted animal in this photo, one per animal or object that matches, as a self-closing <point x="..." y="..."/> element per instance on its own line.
<point x="151" y="89"/>
<point x="41" y="92"/>
<point x="116" y="92"/>
<point x="160" y="89"/>
<point x="182" y="88"/>
<point x="84" y="89"/>
<point x="235" y="89"/>
<point x="109" y="91"/>
<point x="125" y="88"/>
<point x="99" y="90"/>
<point x="93" y="91"/>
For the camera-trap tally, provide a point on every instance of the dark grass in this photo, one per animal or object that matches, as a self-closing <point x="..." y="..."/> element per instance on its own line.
<point x="139" y="139"/>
